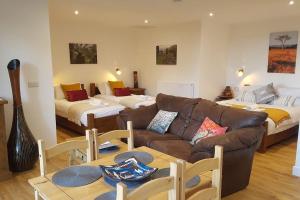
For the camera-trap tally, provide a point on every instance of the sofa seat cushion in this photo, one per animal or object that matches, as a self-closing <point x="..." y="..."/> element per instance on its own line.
<point x="178" y="148"/>
<point x="145" y="137"/>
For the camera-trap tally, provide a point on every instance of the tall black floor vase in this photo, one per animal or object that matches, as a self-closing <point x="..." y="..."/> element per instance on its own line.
<point x="22" y="147"/>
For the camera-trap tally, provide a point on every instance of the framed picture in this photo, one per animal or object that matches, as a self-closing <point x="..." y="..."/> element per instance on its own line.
<point x="166" y="55"/>
<point x="283" y="52"/>
<point x="83" y="53"/>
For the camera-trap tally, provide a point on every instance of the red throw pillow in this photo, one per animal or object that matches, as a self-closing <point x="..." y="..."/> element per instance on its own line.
<point x="208" y="129"/>
<point x="122" y="92"/>
<point x="76" y="95"/>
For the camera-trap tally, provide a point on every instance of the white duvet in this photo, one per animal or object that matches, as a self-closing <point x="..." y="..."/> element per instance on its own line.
<point x="108" y="109"/>
<point x="272" y="129"/>
<point x="132" y="101"/>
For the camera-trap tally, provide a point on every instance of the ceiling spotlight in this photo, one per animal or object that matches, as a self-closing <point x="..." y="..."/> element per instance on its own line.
<point x="146" y="21"/>
<point x="211" y="14"/>
<point x="291" y="2"/>
<point x="76" y="12"/>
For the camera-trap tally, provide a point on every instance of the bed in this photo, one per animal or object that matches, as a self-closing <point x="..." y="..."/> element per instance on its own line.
<point x="86" y="114"/>
<point x="275" y="132"/>
<point x="132" y="101"/>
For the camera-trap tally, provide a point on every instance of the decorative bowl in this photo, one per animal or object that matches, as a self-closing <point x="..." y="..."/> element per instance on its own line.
<point x="130" y="170"/>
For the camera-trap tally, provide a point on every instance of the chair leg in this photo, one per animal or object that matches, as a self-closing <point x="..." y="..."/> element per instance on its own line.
<point x="36" y="195"/>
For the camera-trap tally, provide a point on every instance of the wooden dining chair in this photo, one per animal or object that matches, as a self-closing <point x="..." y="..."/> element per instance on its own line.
<point x="111" y="135"/>
<point x="168" y="184"/>
<point x="63" y="147"/>
<point x="205" y="165"/>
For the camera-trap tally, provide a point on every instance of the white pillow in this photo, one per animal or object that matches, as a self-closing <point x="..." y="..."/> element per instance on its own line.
<point x="105" y="89"/>
<point x="284" y="101"/>
<point x="245" y="93"/>
<point x="58" y="92"/>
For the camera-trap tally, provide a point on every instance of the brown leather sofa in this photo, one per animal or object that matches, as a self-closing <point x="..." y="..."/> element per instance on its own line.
<point x="245" y="130"/>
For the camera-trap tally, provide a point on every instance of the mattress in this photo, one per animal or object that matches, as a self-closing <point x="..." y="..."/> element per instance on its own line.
<point x="62" y="107"/>
<point x="136" y="100"/>
<point x="272" y="128"/>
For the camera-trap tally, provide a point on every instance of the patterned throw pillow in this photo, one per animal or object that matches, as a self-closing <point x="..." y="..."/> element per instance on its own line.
<point x="208" y="129"/>
<point x="284" y="101"/>
<point x="265" y="94"/>
<point x="161" y="122"/>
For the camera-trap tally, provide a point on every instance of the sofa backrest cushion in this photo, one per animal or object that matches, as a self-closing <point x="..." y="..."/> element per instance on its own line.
<point x="233" y="118"/>
<point x="184" y="107"/>
<point x="236" y="118"/>
<point x="203" y="109"/>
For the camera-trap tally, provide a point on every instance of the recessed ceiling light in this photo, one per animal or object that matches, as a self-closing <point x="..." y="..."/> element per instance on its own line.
<point x="291" y="2"/>
<point x="146" y="21"/>
<point x="211" y="14"/>
<point x="76" y="12"/>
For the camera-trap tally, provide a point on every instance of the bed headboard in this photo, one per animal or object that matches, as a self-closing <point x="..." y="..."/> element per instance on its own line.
<point x="94" y="90"/>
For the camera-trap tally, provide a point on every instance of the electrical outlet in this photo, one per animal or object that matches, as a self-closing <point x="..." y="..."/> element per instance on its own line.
<point x="33" y="84"/>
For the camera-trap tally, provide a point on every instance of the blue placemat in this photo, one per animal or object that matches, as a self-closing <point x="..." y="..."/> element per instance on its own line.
<point x="76" y="176"/>
<point x="143" y="157"/>
<point x="108" y="196"/>
<point x="166" y="172"/>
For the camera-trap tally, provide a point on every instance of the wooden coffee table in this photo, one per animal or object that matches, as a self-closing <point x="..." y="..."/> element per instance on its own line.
<point x="48" y="190"/>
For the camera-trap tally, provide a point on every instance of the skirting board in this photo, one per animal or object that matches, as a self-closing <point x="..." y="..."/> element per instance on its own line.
<point x="296" y="171"/>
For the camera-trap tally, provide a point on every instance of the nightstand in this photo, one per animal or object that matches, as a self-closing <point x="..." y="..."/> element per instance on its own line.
<point x="137" y="91"/>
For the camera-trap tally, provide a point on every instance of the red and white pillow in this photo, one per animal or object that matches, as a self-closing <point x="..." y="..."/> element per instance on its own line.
<point x="208" y="129"/>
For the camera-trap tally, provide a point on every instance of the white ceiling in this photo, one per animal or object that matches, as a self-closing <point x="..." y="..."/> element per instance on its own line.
<point x="161" y="12"/>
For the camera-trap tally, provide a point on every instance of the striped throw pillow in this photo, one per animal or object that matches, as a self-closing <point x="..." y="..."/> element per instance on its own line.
<point x="246" y="96"/>
<point x="284" y="101"/>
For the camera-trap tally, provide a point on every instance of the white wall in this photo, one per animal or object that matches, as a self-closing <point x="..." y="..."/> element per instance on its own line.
<point x="249" y="45"/>
<point x="201" y="57"/>
<point x="187" y="38"/>
<point x="25" y="35"/>
<point x="115" y="48"/>
<point x="213" y="58"/>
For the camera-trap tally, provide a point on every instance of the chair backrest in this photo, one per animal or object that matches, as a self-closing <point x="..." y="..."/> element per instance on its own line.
<point x="168" y="184"/>
<point x="64" y="147"/>
<point x="112" y="135"/>
<point x="205" y="165"/>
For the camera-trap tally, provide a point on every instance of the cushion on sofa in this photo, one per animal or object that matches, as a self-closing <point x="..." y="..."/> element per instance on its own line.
<point x="162" y="121"/>
<point x="184" y="107"/>
<point x="178" y="148"/>
<point x="235" y="118"/>
<point x="139" y="121"/>
<point x="203" y="109"/>
<point x="208" y="129"/>
<point x="145" y="137"/>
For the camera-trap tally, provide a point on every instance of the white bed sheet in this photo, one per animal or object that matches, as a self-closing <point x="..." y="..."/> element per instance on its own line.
<point x="145" y="100"/>
<point x="272" y="129"/>
<point x="62" y="106"/>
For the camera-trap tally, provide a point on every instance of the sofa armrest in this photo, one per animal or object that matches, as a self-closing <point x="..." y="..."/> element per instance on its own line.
<point x="140" y="117"/>
<point x="234" y="140"/>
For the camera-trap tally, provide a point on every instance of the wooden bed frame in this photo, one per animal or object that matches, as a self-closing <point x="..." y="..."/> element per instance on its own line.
<point x="103" y="124"/>
<point x="269" y="140"/>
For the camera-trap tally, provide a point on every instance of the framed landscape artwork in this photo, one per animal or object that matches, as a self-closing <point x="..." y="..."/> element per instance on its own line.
<point x="83" y="53"/>
<point x="283" y="52"/>
<point x="166" y="55"/>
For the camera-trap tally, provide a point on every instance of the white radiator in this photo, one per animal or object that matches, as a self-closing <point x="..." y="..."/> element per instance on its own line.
<point x="176" y="89"/>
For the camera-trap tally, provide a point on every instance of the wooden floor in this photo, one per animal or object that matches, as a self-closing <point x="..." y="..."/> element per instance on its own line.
<point x="270" y="180"/>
